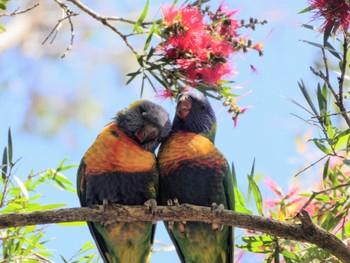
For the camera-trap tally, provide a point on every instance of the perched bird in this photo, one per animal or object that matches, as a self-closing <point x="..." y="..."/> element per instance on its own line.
<point x="192" y="170"/>
<point x="120" y="167"/>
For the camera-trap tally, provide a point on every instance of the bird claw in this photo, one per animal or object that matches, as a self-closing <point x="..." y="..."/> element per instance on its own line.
<point x="217" y="210"/>
<point x="151" y="206"/>
<point x="182" y="224"/>
<point x="173" y="202"/>
<point x="105" y="204"/>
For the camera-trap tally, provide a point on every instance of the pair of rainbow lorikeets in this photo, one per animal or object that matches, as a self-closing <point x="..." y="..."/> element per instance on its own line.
<point x="121" y="167"/>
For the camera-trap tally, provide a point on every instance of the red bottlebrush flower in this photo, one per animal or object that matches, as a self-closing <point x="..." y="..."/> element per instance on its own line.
<point x="170" y="14"/>
<point x="190" y="18"/>
<point x="258" y="47"/>
<point x="335" y="12"/>
<point x="164" y="94"/>
<point x="228" y="26"/>
<point x="213" y="74"/>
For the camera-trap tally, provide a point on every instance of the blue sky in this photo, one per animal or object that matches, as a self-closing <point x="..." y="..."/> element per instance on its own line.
<point x="266" y="132"/>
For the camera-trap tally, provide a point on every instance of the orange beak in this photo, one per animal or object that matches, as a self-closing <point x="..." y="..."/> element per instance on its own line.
<point x="184" y="107"/>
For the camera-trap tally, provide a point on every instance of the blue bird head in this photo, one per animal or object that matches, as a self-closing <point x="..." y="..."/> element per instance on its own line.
<point x="195" y="114"/>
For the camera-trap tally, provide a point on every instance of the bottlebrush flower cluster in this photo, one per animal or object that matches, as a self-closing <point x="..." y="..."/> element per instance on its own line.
<point x="197" y="48"/>
<point x="201" y="50"/>
<point x="335" y="12"/>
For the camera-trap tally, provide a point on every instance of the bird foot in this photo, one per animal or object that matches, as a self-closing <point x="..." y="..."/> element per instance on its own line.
<point x="182" y="224"/>
<point x="105" y="204"/>
<point x="151" y="206"/>
<point x="217" y="210"/>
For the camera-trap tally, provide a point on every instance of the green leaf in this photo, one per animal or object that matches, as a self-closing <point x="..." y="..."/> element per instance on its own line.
<point x="2" y="6"/>
<point x="63" y="259"/>
<point x="257" y="195"/>
<point x="342" y="139"/>
<point x="4" y="165"/>
<point x="252" y="175"/>
<point x="154" y="75"/>
<point x="326" y="173"/>
<point x="139" y="22"/>
<point x="320" y="145"/>
<point x="305" y="10"/>
<point x="2" y="28"/>
<point x="333" y="51"/>
<point x="307" y="97"/>
<point x="75" y="224"/>
<point x="327" y="32"/>
<point x="149" y="38"/>
<point x="9" y="144"/>
<point x="142" y="84"/>
<point x="322" y="99"/>
<point x="132" y="75"/>
<point x="289" y="255"/>
<point x="327" y="47"/>
<point x="257" y="244"/>
<point x="22" y="187"/>
<point x="242" y="209"/>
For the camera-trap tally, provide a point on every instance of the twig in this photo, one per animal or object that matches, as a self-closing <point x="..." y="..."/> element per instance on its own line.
<point x="128" y="21"/>
<point x="340" y="101"/>
<point x="307" y="231"/>
<point x="326" y="80"/>
<point x="309" y="166"/>
<point x="67" y="13"/>
<point x="329" y="115"/>
<point x="104" y="20"/>
<point x="16" y="12"/>
<point x="314" y="194"/>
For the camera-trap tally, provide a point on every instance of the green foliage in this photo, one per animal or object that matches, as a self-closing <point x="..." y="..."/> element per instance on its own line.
<point x="20" y="194"/>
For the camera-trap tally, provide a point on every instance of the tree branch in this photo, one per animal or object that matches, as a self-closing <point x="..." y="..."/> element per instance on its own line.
<point x="104" y="20"/>
<point x="17" y="12"/>
<point x="307" y="231"/>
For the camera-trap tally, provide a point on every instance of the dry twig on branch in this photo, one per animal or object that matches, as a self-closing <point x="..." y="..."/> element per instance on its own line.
<point x="307" y="231"/>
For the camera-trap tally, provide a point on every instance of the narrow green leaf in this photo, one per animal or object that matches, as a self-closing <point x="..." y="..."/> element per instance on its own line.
<point x="2" y="6"/>
<point x="325" y="173"/>
<point x="149" y="38"/>
<point x="341" y="140"/>
<point x="241" y="209"/>
<point x="251" y="175"/>
<point x="327" y="47"/>
<point x="307" y="97"/>
<point x="132" y="76"/>
<point x="305" y="10"/>
<point x="327" y="33"/>
<point x="322" y="100"/>
<point x="332" y="50"/>
<point x="313" y="28"/>
<point x="4" y="165"/>
<point x="2" y="28"/>
<point x="142" y="85"/>
<point x="75" y="224"/>
<point x="154" y="75"/>
<point x="257" y="195"/>
<point x="139" y="22"/>
<point x="9" y="144"/>
<point x="22" y="187"/>
<point x="321" y="146"/>
<point x="63" y="259"/>
<point x="299" y="105"/>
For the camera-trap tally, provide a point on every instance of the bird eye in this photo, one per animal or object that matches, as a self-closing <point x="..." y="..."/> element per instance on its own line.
<point x="203" y="108"/>
<point x="115" y="134"/>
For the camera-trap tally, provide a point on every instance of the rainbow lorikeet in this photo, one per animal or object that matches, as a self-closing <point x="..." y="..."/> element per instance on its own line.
<point x="192" y="170"/>
<point x="120" y="167"/>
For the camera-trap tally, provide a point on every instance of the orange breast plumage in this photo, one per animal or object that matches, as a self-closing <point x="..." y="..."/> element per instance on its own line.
<point x="190" y="148"/>
<point x="113" y="151"/>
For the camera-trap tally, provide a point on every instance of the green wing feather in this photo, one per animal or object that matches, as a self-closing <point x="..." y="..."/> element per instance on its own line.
<point x="81" y="190"/>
